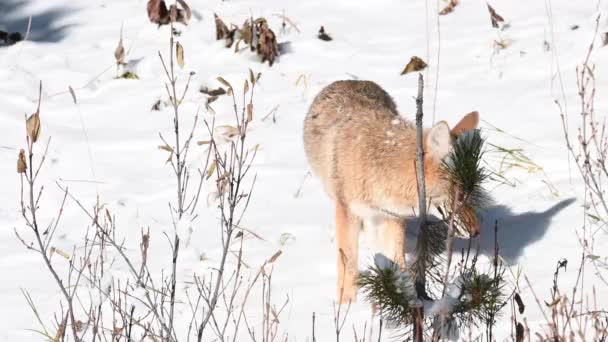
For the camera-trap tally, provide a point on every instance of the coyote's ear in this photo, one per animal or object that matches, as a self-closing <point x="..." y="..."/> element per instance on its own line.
<point x="438" y="140"/>
<point x="468" y="122"/>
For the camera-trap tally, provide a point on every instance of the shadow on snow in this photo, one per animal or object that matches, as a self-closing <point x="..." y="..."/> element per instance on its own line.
<point x="14" y="17"/>
<point x="515" y="231"/>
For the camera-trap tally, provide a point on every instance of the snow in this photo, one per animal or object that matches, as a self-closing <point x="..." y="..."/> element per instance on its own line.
<point x="113" y="151"/>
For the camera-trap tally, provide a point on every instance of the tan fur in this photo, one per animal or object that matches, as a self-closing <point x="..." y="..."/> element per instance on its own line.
<point x="364" y="153"/>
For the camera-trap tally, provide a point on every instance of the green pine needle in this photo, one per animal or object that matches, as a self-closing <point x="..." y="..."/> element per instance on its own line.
<point x="390" y="290"/>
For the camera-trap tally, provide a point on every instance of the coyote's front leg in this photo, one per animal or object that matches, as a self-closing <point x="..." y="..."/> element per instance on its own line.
<point x="347" y="242"/>
<point x="393" y="240"/>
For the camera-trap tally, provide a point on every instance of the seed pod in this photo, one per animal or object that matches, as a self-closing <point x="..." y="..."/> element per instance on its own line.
<point x="21" y="164"/>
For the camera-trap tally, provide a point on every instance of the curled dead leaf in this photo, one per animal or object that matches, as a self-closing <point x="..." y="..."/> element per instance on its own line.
<point x="520" y="303"/>
<point x="246" y="33"/>
<point x="227" y="131"/>
<point x="275" y="256"/>
<point x="415" y="64"/>
<point x="32" y="126"/>
<point x="184" y="14"/>
<point x="267" y="46"/>
<point x="156" y="105"/>
<point x="246" y="87"/>
<point x="249" y="112"/>
<point x="60" y="252"/>
<point x="119" y="53"/>
<point x="210" y="109"/>
<point x="21" y="164"/>
<point x="158" y="12"/>
<point x="78" y="325"/>
<point x="211" y="169"/>
<point x="166" y="148"/>
<point x="224" y="82"/>
<point x="251" y="77"/>
<point x="108" y="216"/>
<point x="60" y="332"/>
<point x="449" y="8"/>
<point x="323" y="35"/>
<point x="213" y="92"/>
<point x="495" y="18"/>
<point x="179" y="53"/>
<point x="221" y="30"/>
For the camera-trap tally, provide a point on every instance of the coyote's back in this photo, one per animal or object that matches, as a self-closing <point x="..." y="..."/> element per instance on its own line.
<point x="342" y="105"/>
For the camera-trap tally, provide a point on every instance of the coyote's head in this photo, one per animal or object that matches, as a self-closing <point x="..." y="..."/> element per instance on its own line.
<point x="438" y="142"/>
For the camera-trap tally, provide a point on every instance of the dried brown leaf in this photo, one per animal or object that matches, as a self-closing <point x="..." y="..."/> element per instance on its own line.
<point x="60" y="332"/>
<point x="179" y="54"/>
<point x="267" y="46"/>
<point x="323" y="35"/>
<point x="156" y="105"/>
<point x="495" y="18"/>
<point x="249" y="112"/>
<point x="251" y="77"/>
<point x="227" y="131"/>
<point x="213" y="92"/>
<point x="211" y="99"/>
<point x="203" y="142"/>
<point x="449" y="8"/>
<point x="108" y="216"/>
<point x="21" y="164"/>
<point x="73" y="93"/>
<point x="166" y="148"/>
<point x="502" y="44"/>
<point x="78" y="325"/>
<point x="157" y="12"/>
<point x="246" y="32"/>
<point x="415" y="64"/>
<point x="210" y="109"/>
<point x="60" y="252"/>
<point x="520" y="303"/>
<point x="119" y="53"/>
<point x="246" y="87"/>
<point x="185" y="13"/>
<point x="275" y="256"/>
<point x="32" y="126"/>
<point x="211" y="169"/>
<point x="519" y="333"/>
<point x="224" y="82"/>
<point x="221" y="30"/>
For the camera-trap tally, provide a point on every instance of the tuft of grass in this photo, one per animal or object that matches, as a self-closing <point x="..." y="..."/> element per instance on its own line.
<point x="129" y="75"/>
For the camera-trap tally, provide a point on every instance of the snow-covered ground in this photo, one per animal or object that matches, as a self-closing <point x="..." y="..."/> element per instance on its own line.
<point x="108" y="142"/>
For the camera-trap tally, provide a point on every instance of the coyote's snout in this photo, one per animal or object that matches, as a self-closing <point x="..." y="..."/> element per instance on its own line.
<point x="364" y="153"/>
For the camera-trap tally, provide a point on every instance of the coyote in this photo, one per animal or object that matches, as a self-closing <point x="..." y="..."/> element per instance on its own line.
<point x="364" y="154"/>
